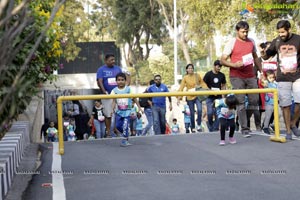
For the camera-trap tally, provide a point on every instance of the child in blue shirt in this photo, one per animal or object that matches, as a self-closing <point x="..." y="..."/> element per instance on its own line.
<point x="71" y="130"/>
<point x="226" y="113"/>
<point x="132" y="121"/>
<point x="139" y="124"/>
<point x="187" y="118"/>
<point x="52" y="133"/>
<point x="175" y="127"/>
<point x="269" y="99"/>
<point x="122" y="107"/>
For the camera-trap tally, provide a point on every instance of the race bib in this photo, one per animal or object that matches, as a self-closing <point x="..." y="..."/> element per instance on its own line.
<point x="288" y="59"/>
<point x="269" y="66"/>
<point x="175" y="129"/>
<point x="52" y="133"/>
<point x="72" y="133"/>
<point x="111" y="81"/>
<point x="248" y="59"/>
<point x="226" y="112"/>
<point x="187" y="111"/>
<point x="122" y="104"/>
<point x="215" y="89"/>
<point x="66" y="123"/>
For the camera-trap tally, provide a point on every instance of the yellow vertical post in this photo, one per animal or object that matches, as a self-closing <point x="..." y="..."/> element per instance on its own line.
<point x="60" y="127"/>
<point x="276" y="136"/>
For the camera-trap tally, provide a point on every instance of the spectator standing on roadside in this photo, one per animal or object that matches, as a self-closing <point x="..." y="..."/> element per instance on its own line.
<point x="106" y="81"/>
<point x="215" y="80"/>
<point x="190" y="81"/>
<point x="158" y="105"/>
<point x="145" y="103"/>
<point x="44" y="128"/>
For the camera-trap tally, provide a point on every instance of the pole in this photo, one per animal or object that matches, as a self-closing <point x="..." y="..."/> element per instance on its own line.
<point x="175" y="42"/>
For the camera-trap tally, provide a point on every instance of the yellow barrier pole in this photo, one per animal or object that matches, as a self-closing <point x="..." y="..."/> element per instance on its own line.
<point x="276" y="137"/>
<point x="60" y="99"/>
<point x="61" y="148"/>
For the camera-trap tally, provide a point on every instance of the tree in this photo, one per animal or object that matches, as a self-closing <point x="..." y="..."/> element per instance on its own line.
<point x="32" y="48"/>
<point x="183" y="36"/>
<point x="75" y="25"/>
<point x="161" y="64"/>
<point x="136" y="25"/>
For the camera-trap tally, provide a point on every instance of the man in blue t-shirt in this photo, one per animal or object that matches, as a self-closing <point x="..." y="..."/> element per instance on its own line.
<point x="158" y="105"/>
<point x="106" y="81"/>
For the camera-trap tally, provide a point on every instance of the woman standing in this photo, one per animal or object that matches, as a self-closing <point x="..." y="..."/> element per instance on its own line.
<point x="81" y="119"/>
<point x="190" y="81"/>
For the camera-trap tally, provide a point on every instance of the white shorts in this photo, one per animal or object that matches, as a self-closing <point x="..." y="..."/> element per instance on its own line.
<point x="288" y="91"/>
<point x="107" y="107"/>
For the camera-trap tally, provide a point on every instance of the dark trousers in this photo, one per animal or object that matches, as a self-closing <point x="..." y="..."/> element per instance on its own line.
<point x="224" y="124"/>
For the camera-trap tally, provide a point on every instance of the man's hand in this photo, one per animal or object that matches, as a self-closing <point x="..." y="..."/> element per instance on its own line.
<point x="238" y="64"/>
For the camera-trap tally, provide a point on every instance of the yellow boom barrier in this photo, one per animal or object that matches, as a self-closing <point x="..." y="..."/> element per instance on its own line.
<point x="275" y="138"/>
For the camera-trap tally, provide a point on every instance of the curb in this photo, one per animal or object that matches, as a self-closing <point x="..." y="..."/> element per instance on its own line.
<point x="12" y="148"/>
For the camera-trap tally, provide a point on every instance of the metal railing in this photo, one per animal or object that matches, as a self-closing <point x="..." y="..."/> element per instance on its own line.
<point x="276" y="137"/>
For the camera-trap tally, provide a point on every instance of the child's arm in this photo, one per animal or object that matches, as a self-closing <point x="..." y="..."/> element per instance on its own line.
<point x="113" y="106"/>
<point x="138" y="104"/>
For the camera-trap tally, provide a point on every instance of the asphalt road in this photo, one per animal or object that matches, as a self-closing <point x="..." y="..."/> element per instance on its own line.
<point x="191" y="166"/>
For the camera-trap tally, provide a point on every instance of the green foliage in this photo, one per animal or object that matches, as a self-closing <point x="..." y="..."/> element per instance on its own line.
<point x="161" y="64"/>
<point x="144" y="76"/>
<point x="75" y="26"/>
<point x="22" y="72"/>
<point x="135" y="25"/>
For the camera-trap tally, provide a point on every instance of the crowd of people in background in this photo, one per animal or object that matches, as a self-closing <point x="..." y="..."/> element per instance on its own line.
<point x="278" y="67"/>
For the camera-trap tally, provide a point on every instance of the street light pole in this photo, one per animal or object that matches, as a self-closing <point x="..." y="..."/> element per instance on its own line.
<point x="175" y="42"/>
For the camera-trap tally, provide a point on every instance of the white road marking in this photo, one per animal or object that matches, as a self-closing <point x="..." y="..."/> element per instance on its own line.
<point x="58" y="186"/>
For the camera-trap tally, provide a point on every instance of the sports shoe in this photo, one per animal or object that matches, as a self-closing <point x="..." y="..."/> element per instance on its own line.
<point x="272" y="127"/>
<point x="125" y="143"/>
<point x="199" y="129"/>
<point x="193" y="130"/>
<point x="246" y="134"/>
<point x="295" y="131"/>
<point x="266" y="131"/>
<point x="232" y="140"/>
<point x="288" y="136"/>
<point x="222" y="143"/>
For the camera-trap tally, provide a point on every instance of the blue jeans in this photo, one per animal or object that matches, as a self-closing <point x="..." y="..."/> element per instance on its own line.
<point x="149" y="116"/>
<point x="122" y="124"/>
<point x="191" y="104"/>
<point x="100" y="128"/>
<point x="159" y="120"/>
<point x="213" y="125"/>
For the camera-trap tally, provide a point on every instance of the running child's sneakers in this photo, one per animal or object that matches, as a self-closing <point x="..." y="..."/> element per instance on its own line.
<point x="125" y="143"/>
<point x="222" y="143"/>
<point x="232" y="140"/>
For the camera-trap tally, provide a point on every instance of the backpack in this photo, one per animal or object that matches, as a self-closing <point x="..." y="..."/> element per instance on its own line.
<point x="144" y="102"/>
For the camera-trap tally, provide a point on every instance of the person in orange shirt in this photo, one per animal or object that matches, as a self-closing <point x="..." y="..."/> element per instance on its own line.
<point x="190" y="81"/>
